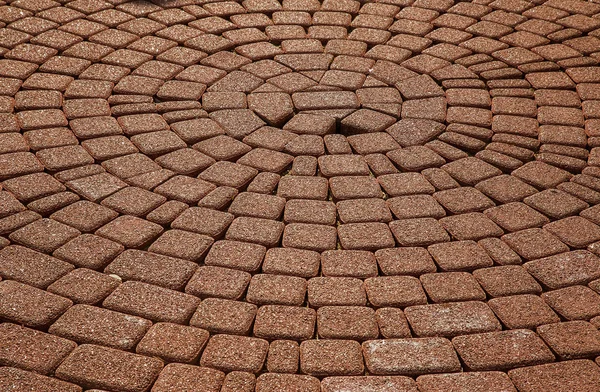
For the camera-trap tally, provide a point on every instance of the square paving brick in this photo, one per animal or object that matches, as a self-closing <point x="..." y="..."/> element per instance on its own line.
<point x="16" y="378"/>
<point x="185" y="189"/>
<point x="415" y="206"/>
<point x="572" y="339"/>
<point x="130" y="231"/>
<point x="133" y="201"/>
<point x="84" y="216"/>
<point x="471" y="226"/>
<point x="271" y="382"/>
<point x="310" y="211"/>
<point x="218" y="282"/>
<point x="182" y="244"/>
<point x="556" y="203"/>
<point x="410" y="357"/>
<point x="502" y="350"/>
<point x="302" y="187"/>
<point x="460" y="255"/>
<point x="400" y="184"/>
<point x="235" y="353"/>
<point x="30" y="306"/>
<point x="257" y="205"/>
<point x="173" y="342"/>
<point x="109" y="368"/>
<point x="152" y="302"/>
<point x="523" y="311"/>
<point x="269" y="289"/>
<point x="534" y="243"/>
<point x="203" y="221"/>
<point x="392" y="323"/>
<point x="541" y="175"/>
<point x="516" y="216"/>
<point x="506" y="280"/>
<point x="44" y="235"/>
<point x="32" y="350"/>
<point x="331" y="357"/>
<point x="289" y="261"/>
<point x="466" y="382"/>
<point x="285" y="322"/>
<point x="354" y="187"/>
<point x="354" y="236"/>
<point x="347" y="322"/>
<point x="580" y="375"/>
<point x="179" y="377"/>
<point x="308" y="236"/>
<point x="89" y="251"/>
<point x="374" y="383"/>
<point x="152" y="268"/>
<point x="235" y="254"/>
<point x="229" y="174"/>
<point x="328" y="291"/>
<point x="451" y="319"/>
<point x="405" y="261"/>
<point x="565" y="269"/>
<point x="89" y="324"/>
<point x="349" y="263"/>
<point x="418" y="232"/>
<point x="575" y="231"/>
<point x="463" y="200"/>
<point x="397" y="291"/>
<point x="33" y="268"/>
<point x="224" y="316"/>
<point x="84" y="286"/>
<point x="283" y="356"/>
<point x="452" y="287"/>
<point x="343" y="165"/>
<point x="574" y="303"/>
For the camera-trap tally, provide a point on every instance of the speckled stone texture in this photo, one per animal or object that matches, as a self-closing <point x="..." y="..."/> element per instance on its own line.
<point x="300" y="195"/>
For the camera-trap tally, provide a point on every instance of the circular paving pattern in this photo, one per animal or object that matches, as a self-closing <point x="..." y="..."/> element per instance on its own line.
<point x="299" y="196"/>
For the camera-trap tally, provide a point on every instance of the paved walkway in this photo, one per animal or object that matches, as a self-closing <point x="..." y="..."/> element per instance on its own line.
<point x="288" y="196"/>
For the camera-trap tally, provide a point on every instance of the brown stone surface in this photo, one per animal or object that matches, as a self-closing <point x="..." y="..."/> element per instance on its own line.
<point x="300" y="171"/>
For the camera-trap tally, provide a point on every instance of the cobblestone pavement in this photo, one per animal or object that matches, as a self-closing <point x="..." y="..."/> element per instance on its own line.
<point x="300" y="196"/>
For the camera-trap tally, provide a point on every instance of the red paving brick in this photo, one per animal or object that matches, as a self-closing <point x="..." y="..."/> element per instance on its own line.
<point x="250" y="190"/>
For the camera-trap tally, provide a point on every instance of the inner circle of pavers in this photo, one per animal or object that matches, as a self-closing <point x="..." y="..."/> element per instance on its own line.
<point x="184" y="181"/>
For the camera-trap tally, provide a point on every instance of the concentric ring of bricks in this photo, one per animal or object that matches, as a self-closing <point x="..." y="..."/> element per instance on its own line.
<point x="299" y="195"/>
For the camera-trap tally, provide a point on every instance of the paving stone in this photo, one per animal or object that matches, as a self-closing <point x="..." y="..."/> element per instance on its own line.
<point x="324" y="357"/>
<point x="11" y="377"/>
<point x="285" y="322"/>
<point x="32" y="350"/>
<point x="501" y="350"/>
<point x="235" y="353"/>
<point x="177" y="376"/>
<point x="89" y="324"/>
<point x="574" y="302"/>
<point x="152" y="268"/>
<point x="452" y="287"/>
<point x="152" y="302"/>
<point x="523" y="311"/>
<point x="102" y="368"/>
<point x="30" y="267"/>
<point x="557" y="377"/>
<point x="410" y="356"/>
<point x="30" y="306"/>
<point x="467" y="382"/>
<point x="84" y="286"/>
<point x="565" y="269"/>
<point x="224" y="316"/>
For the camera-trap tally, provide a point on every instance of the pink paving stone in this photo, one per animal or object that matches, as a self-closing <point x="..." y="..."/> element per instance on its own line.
<point x="582" y="375"/>
<point x="32" y="350"/>
<point x="231" y="353"/>
<point x="103" y="369"/>
<point x="410" y="356"/>
<point x="502" y="350"/>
